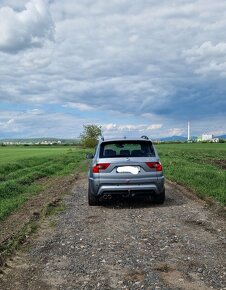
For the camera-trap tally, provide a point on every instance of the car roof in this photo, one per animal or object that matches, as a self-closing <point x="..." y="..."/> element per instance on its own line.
<point x="125" y="139"/>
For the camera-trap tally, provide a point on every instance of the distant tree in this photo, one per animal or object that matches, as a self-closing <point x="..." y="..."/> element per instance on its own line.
<point x="90" y="135"/>
<point x="222" y="141"/>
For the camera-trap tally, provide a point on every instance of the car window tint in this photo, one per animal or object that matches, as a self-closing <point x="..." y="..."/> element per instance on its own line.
<point x="126" y="149"/>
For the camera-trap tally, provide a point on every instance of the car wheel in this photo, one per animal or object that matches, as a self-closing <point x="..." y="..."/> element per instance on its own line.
<point x="92" y="199"/>
<point x="159" y="198"/>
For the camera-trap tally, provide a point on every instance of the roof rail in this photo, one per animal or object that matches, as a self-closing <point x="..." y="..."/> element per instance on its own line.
<point x="145" y="137"/>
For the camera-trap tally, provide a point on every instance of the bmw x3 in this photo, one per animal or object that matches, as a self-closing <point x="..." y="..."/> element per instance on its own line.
<point x="125" y="167"/>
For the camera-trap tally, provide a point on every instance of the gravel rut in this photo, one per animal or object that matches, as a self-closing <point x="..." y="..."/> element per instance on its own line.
<point x="124" y="244"/>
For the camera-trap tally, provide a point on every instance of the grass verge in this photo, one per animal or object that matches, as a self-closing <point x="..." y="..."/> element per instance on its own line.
<point x="18" y="240"/>
<point x="18" y="179"/>
<point x="14" y="243"/>
<point x="198" y="167"/>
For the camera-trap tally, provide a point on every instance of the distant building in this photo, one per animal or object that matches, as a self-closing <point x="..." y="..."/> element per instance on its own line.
<point x="207" y="138"/>
<point x="43" y="142"/>
<point x="215" y="140"/>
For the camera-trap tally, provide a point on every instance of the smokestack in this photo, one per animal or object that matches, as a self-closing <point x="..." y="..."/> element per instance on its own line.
<point x="189" y="136"/>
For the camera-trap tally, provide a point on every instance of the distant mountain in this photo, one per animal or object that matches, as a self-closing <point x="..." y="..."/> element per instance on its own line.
<point x="221" y="136"/>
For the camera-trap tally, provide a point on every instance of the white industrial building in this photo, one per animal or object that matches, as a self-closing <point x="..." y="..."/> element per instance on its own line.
<point x="208" y="138"/>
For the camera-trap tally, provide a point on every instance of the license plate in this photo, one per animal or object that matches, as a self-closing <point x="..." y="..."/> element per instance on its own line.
<point x="128" y="169"/>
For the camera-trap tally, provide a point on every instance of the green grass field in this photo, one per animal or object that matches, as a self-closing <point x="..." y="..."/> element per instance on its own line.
<point x="13" y="153"/>
<point x="200" y="167"/>
<point x="20" y="167"/>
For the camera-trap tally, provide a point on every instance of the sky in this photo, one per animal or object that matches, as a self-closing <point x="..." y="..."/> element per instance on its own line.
<point x="132" y="67"/>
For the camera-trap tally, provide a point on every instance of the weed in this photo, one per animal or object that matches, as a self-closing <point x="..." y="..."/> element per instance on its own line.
<point x="55" y="207"/>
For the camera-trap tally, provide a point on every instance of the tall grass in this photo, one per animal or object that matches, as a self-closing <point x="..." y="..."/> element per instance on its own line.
<point x="196" y="167"/>
<point x="17" y="178"/>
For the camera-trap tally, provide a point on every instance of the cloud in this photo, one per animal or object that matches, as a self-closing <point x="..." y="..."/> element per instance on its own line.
<point x="79" y="106"/>
<point x="208" y="59"/>
<point x="131" y="61"/>
<point x="39" y="123"/>
<point x="129" y="127"/>
<point x="24" y="29"/>
<point x="153" y="131"/>
<point x="8" y="125"/>
<point x="119" y="62"/>
<point x="175" y="132"/>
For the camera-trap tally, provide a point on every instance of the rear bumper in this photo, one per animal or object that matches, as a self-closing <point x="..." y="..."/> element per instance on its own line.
<point x="113" y="187"/>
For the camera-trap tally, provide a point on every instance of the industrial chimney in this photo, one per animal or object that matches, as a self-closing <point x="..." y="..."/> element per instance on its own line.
<point x="189" y="136"/>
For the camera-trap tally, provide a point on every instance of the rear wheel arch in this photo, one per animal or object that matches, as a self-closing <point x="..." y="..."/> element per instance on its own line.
<point x="92" y="199"/>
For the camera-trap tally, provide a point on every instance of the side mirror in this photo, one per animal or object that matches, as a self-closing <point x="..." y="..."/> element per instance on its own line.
<point x="89" y="156"/>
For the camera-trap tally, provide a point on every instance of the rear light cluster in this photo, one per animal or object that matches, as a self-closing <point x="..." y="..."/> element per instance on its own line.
<point x="156" y="165"/>
<point x="100" y="166"/>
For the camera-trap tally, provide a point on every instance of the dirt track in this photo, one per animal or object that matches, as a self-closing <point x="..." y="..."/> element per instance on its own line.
<point x="124" y="244"/>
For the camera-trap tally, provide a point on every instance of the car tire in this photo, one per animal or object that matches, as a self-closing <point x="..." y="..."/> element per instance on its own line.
<point x="159" y="198"/>
<point x="92" y="199"/>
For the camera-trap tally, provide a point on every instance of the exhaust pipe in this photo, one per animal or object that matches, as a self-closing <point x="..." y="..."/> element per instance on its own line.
<point x="105" y="196"/>
<point x="109" y="196"/>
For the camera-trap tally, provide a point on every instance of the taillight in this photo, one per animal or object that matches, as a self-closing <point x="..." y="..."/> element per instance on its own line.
<point x="156" y="165"/>
<point x="100" y="166"/>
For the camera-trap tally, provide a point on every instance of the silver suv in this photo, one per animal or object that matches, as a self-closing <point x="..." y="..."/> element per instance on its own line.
<point x="125" y="167"/>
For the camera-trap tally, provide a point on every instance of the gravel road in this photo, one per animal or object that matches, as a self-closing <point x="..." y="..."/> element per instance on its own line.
<point x="124" y="244"/>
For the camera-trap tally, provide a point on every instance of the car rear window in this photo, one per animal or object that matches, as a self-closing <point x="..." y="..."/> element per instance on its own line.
<point x="116" y="149"/>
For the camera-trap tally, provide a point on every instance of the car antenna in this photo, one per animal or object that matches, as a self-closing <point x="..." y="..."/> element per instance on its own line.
<point x="144" y="137"/>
